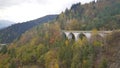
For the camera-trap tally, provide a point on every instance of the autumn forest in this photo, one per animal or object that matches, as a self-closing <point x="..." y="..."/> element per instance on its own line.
<point x="45" y="46"/>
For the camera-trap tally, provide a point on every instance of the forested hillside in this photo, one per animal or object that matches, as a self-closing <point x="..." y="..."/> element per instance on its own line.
<point x="45" y="47"/>
<point x="102" y="15"/>
<point x="13" y="32"/>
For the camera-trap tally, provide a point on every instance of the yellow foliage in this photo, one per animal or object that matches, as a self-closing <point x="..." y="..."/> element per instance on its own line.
<point x="84" y="61"/>
<point x="56" y="65"/>
<point x="79" y="42"/>
<point x="94" y="32"/>
<point x="51" y="59"/>
<point x="4" y="60"/>
<point x="97" y="43"/>
<point x="33" y="41"/>
<point x="66" y="42"/>
<point x="73" y="24"/>
<point x="46" y="24"/>
<point x="85" y="64"/>
<point x="82" y="42"/>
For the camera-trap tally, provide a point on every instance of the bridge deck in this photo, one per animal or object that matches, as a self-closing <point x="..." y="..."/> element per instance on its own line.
<point x="86" y="31"/>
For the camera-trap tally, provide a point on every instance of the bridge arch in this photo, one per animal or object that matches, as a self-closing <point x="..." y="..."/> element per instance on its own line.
<point x="81" y="36"/>
<point x="88" y="35"/>
<point x="71" y="36"/>
<point x="63" y="35"/>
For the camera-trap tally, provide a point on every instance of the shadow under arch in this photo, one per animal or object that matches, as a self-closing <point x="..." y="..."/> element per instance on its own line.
<point x="64" y="36"/>
<point x="71" y="36"/>
<point x="81" y="36"/>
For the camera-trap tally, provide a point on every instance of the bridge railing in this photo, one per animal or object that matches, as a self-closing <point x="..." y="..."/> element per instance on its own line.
<point x="86" y="31"/>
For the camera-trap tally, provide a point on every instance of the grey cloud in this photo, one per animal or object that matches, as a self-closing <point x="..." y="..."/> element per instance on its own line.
<point x="8" y="3"/>
<point x="42" y="1"/>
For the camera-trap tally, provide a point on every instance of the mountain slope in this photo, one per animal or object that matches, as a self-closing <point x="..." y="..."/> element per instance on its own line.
<point x="9" y="34"/>
<point x="102" y="15"/>
<point x="5" y="23"/>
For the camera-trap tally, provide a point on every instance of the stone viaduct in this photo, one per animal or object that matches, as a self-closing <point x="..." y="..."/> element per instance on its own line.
<point x="77" y="34"/>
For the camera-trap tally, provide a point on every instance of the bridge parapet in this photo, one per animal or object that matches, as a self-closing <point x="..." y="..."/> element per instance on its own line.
<point x="86" y="31"/>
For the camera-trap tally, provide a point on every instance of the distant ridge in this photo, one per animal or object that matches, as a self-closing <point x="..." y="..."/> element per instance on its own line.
<point x="5" y="23"/>
<point x="14" y="31"/>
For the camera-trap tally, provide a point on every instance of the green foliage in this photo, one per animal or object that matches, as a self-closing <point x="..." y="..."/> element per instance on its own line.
<point x="65" y="55"/>
<point x="12" y="65"/>
<point x="3" y="49"/>
<point x="103" y="63"/>
<point x="83" y="57"/>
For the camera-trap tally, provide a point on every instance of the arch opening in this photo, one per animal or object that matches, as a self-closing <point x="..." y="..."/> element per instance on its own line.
<point x="71" y="36"/>
<point x="81" y="36"/>
<point x="64" y="36"/>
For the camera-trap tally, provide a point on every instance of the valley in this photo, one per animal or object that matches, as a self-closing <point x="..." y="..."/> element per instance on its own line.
<point x="84" y="36"/>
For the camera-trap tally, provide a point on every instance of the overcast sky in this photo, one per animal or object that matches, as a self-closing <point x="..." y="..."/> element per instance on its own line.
<point x="24" y="10"/>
